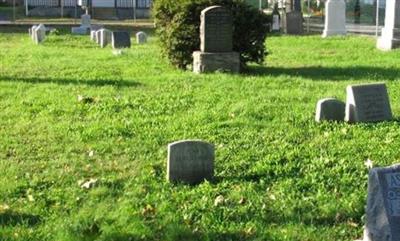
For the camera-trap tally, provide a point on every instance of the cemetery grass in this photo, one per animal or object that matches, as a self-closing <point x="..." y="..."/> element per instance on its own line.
<point x="94" y="168"/>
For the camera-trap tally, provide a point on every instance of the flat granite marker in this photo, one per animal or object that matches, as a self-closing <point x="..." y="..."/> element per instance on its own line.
<point x="330" y="109"/>
<point x="120" y="40"/>
<point x="367" y="103"/>
<point x="216" y="30"/>
<point x="383" y="205"/>
<point x="190" y="161"/>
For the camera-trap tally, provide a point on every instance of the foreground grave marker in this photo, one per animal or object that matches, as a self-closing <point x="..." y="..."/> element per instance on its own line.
<point x="190" y="161"/>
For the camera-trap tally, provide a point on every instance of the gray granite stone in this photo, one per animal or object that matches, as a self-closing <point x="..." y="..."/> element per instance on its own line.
<point x="141" y="37"/>
<point x="98" y="37"/>
<point x="190" y="161"/>
<point x="211" y="62"/>
<point x="367" y="103"/>
<point x="39" y="34"/>
<point x="120" y="40"/>
<point x="294" y="23"/>
<point x="383" y="205"/>
<point x="330" y="109"/>
<point x="216" y="29"/>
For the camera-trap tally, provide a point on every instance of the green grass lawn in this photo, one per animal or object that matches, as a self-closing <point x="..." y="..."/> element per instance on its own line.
<point x="282" y="176"/>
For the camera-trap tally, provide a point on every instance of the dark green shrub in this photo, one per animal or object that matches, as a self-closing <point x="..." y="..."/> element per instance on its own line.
<point x="178" y="27"/>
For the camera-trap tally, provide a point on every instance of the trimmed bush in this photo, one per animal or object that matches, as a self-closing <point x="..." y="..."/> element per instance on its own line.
<point x="178" y="27"/>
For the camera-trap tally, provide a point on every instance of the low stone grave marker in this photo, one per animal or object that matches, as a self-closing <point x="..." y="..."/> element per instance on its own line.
<point x="120" y="39"/>
<point x="85" y="20"/>
<point x="383" y="205"/>
<point x="367" y="103"/>
<point x="32" y="31"/>
<point x="190" y="161"/>
<point x="98" y="32"/>
<point x="105" y="37"/>
<point x="93" y="35"/>
<point x="39" y="34"/>
<point x="330" y="109"/>
<point x="141" y="37"/>
<point x="81" y="30"/>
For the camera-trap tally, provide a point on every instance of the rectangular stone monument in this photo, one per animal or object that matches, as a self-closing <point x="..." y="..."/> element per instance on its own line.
<point x="105" y="37"/>
<point x="85" y="20"/>
<point x="335" y="18"/>
<point x="98" y="37"/>
<point x="390" y="38"/>
<point x="216" y="30"/>
<point x="383" y="205"/>
<point x="93" y="35"/>
<point x="294" y="23"/>
<point x="32" y="32"/>
<point x="367" y="103"/>
<point x="190" y="161"/>
<point x="120" y="40"/>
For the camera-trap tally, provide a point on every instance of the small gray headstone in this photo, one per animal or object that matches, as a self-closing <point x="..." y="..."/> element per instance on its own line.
<point x="367" y="103"/>
<point x="120" y="40"/>
<point x="105" y="37"/>
<point x="330" y="109"/>
<point x="216" y="29"/>
<point x="383" y="205"/>
<point x="294" y="23"/>
<point x="141" y="37"/>
<point x="39" y="34"/>
<point x="190" y="161"/>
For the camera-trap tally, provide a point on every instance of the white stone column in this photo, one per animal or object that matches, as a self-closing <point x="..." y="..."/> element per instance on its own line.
<point x="390" y="38"/>
<point x="335" y="18"/>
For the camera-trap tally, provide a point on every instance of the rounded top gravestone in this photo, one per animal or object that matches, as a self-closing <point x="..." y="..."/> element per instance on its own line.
<point x="216" y="29"/>
<point x="190" y="161"/>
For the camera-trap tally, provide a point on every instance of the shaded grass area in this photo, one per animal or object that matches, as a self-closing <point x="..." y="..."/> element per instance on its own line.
<point x="282" y="176"/>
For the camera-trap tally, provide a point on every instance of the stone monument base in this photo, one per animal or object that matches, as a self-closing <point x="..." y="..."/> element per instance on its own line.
<point x="210" y="62"/>
<point x="390" y="39"/>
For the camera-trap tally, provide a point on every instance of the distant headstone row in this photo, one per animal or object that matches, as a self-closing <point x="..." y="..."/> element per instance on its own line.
<point x="364" y="103"/>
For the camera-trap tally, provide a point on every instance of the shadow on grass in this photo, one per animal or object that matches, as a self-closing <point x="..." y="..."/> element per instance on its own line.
<point x="13" y="219"/>
<point x="65" y="81"/>
<point x="327" y="73"/>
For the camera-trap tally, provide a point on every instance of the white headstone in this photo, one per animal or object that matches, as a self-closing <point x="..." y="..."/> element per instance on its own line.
<point x="383" y="205"/>
<point x="390" y="38"/>
<point x="32" y="32"/>
<point x="141" y="37"/>
<point x="40" y="34"/>
<point x="93" y="35"/>
<point x="85" y="20"/>
<point x="330" y="109"/>
<point x="367" y="103"/>
<point x="190" y="161"/>
<point x="335" y="18"/>
<point x="105" y="37"/>
<point x="98" y="36"/>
